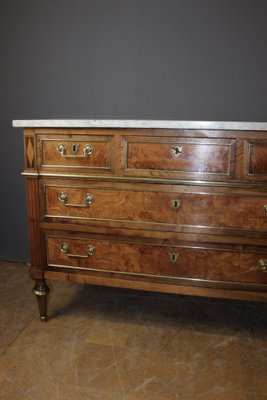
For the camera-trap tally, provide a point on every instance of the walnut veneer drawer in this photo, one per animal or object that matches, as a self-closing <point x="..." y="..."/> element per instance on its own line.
<point x="169" y="205"/>
<point x="159" y="260"/>
<point x="75" y="152"/>
<point x="194" y="158"/>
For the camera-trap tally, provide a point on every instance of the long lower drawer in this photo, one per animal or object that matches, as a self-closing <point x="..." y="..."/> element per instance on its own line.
<point x="176" y="261"/>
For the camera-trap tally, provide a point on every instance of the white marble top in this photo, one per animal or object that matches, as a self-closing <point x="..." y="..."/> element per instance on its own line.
<point x="124" y="123"/>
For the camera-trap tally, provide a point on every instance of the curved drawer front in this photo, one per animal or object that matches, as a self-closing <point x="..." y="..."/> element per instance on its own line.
<point x="152" y="204"/>
<point x="89" y="152"/>
<point x="165" y="261"/>
<point x="192" y="158"/>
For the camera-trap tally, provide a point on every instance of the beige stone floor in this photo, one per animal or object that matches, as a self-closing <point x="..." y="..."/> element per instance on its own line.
<point x="111" y="344"/>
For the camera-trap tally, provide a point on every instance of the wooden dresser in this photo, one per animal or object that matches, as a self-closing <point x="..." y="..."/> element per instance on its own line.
<point x="167" y="206"/>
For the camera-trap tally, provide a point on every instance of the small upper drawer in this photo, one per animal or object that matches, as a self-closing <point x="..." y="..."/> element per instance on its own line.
<point x="75" y="152"/>
<point x="256" y="159"/>
<point x="172" y="157"/>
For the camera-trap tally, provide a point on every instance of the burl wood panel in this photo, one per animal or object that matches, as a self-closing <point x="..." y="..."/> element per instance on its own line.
<point x="168" y="261"/>
<point x="159" y="204"/>
<point x="257" y="162"/>
<point x="181" y="155"/>
<point x="100" y="157"/>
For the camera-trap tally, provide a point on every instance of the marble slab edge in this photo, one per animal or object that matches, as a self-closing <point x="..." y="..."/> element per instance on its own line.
<point x="145" y="124"/>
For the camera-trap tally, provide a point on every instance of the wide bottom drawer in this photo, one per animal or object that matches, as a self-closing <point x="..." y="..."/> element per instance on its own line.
<point x="176" y="261"/>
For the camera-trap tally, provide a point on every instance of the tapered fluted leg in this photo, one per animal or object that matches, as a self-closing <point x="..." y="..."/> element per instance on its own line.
<point x="41" y="291"/>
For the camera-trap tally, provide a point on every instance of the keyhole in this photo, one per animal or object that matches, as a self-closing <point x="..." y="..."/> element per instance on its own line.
<point x="176" y="204"/>
<point x="173" y="257"/>
<point x="177" y="151"/>
<point x="74" y="148"/>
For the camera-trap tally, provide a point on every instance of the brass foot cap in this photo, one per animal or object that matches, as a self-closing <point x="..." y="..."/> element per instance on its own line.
<point x="43" y="318"/>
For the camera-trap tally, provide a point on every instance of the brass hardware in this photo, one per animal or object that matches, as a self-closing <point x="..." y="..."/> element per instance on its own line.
<point x="173" y="257"/>
<point x="265" y="208"/>
<point x="88" y="199"/>
<point x="176" y="204"/>
<point x="262" y="264"/>
<point x="87" y="151"/>
<point x="62" y="197"/>
<point x="40" y="290"/>
<point x="65" y="249"/>
<point x="177" y="151"/>
<point x="61" y="149"/>
<point x="91" y="250"/>
<point x="74" y="148"/>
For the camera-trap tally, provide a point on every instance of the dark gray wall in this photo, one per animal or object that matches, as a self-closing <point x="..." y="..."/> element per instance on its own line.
<point x="159" y="59"/>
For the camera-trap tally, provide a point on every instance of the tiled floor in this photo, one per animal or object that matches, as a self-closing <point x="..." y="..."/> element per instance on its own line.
<point x="109" y="344"/>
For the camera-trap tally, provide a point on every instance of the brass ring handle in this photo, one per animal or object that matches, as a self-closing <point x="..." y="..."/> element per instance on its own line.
<point x="65" y="249"/>
<point x="88" y="199"/>
<point x="262" y="264"/>
<point x="87" y="151"/>
<point x="265" y="208"/>
<point x="177" y="150"/>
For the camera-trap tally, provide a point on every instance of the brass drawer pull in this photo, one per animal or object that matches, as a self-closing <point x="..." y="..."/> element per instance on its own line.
<point x="265" y="208"/>
<point x="87" y="151"/>
<point x="262" y="264"/>
<point x="88" y="199"/>
<point x="176" y="204"/>
<point x="173" y="257"/>
<point x="65" y="249"/>
<point x="177" y="151"/>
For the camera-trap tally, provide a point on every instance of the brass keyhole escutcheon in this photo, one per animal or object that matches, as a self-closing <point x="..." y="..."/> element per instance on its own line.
<point x="173" y="257"/>
<point x="176" y="204"/>
<point x="74" y="148"/>
<point x="177" y="150"/>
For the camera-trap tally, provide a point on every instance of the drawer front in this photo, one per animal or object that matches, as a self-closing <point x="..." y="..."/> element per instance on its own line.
<point x="156" y="204"/>
<point x="89" y="152"/>
<point x="178" y="157"/>
<point x="157" y="260"/>
<point x="256" y="160"/>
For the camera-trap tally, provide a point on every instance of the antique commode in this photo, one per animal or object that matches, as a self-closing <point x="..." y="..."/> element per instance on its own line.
<point x="167" y="206"/>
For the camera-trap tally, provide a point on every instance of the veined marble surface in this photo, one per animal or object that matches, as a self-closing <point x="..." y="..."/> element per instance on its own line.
<point x="124" y="123"/>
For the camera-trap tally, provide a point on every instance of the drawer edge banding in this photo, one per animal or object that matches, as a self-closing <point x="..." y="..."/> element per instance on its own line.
<point x="168" y="277"/>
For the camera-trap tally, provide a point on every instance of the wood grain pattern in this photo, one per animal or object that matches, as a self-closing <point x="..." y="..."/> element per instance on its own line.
<point x="160" y="204"/>
<point x="134" y="258"/>
<point x="199" y="156"/>
<point x="257" y="162"/>
<point x="37" y="242"/>
<point x="177" y="211"/>
<point x="100" y="157"/>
